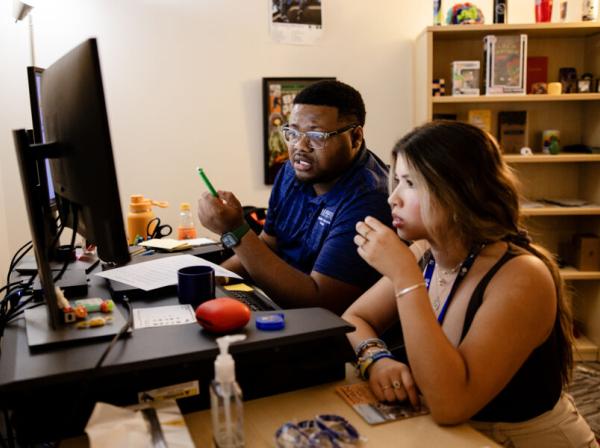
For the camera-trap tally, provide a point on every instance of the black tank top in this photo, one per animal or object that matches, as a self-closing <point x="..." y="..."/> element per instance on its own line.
<point x="537" y="385"/>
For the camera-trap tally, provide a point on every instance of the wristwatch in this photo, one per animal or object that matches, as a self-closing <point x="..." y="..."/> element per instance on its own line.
<point x="233" y="238"/>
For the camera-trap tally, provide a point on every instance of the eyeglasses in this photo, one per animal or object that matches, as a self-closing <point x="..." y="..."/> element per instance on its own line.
<point x="316" y="139"/>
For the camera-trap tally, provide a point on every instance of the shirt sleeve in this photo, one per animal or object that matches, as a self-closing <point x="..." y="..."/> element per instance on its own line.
<point x="339" y="257"/>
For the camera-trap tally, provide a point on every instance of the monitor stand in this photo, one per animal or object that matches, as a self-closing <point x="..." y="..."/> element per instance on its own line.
<point x="41" y="335"/>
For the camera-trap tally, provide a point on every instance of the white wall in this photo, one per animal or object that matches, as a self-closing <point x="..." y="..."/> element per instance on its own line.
<point x="182" y="81"/>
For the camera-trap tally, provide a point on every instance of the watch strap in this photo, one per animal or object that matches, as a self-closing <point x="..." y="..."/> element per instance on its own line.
<point x="241" y="230"/>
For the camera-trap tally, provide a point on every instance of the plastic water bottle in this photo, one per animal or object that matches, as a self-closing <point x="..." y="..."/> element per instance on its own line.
<point x="186" y="229"/>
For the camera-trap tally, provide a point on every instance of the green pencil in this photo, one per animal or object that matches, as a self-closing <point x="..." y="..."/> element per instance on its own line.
<point x="207" y="182"/>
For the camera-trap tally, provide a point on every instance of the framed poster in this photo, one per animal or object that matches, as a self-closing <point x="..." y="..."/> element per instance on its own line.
<point x="278" y="98"/>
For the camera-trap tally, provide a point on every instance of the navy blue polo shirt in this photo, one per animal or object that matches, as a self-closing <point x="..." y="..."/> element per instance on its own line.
<point x="315" y="233"/>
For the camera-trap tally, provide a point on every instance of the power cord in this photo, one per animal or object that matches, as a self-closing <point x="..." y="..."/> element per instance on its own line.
<point x="122" y="331"/>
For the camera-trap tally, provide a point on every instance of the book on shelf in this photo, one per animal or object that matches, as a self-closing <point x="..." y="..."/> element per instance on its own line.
<point x="505" y="59"/>
<point x="537" y="72"/>
<point x="362" y="400"/>
<point x="512" y="131"/>
<point x="482" y="118"/>
<point x="437" y="116"/>
<point x="566" y="202"/>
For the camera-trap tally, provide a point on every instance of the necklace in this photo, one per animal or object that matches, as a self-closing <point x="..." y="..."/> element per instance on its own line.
<point x="445" y="275"/>
<point x="461" y="272"/>
<point x="444" y="280"/>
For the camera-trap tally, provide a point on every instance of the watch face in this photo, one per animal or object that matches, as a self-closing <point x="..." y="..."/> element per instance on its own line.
<point x="229" y="240"/>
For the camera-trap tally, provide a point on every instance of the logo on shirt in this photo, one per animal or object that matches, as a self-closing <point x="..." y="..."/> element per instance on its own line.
<point x="325" y="217"/>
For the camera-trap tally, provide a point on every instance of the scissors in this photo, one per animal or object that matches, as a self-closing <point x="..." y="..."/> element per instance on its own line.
<point x="154" y="230"/>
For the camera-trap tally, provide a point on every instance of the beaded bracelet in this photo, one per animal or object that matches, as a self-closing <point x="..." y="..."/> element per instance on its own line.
<point x="366" y="362"/>
<point x="368" y="343"/>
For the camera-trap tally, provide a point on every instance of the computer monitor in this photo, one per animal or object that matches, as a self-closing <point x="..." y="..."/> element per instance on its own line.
<point x="34" y="78"/>
<point x="77" y="144"/>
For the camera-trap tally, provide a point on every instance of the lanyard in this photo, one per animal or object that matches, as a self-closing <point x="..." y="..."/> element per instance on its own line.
<point x="464" y="268"/>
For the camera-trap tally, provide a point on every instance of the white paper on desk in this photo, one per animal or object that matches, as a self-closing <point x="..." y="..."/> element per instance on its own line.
<point x="198" y="241"/>
<point x="120" y="427"/>
<point x="161" y="272"/>
<point x="162" y="316"/>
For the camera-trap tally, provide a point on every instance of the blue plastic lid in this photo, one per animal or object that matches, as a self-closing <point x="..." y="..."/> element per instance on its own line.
<point x="270" y="322"/>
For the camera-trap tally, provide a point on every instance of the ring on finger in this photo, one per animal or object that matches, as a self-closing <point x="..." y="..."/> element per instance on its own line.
<point x="396" y="384"/>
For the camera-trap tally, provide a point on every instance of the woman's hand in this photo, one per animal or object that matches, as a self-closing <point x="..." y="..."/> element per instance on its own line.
<point x="392" y="381"/>
<point x="381" y="247"/>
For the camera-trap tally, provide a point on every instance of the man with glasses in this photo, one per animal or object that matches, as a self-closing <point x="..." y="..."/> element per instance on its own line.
<point x="305" y="255"/>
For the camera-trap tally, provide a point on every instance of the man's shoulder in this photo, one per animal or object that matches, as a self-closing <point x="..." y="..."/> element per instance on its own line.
<point x="285" y="178"/>
<point x="370" y="176"/>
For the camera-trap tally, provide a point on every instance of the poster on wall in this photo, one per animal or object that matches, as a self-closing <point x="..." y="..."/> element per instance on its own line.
<point x="278" y="98"/>
<point x="296" y="21"/>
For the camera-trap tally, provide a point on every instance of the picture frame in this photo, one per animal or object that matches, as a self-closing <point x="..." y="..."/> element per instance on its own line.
<point x="278" y="98"/>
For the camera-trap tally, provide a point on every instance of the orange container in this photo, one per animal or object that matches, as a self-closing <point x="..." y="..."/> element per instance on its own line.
<point x="140" y="214"/>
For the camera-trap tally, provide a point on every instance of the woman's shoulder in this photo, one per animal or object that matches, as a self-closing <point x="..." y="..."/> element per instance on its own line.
<point x="524" y="275"/>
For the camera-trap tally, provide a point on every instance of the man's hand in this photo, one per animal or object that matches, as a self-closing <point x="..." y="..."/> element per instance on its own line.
<point x="222" y="214"/>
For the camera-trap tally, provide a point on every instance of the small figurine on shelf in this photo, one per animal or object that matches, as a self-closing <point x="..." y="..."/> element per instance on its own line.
<point x="589" y="10"/>
<point x="438" y="87"/>
<point x="464" y="14"/>
<point x="584" y="84"/>
<point x="539" y="88"/>
<point x="437" y="12"/>
<point x="568" y="79"/>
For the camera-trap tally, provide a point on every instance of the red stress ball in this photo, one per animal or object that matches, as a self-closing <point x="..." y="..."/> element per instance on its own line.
<point x="222" y="315"/>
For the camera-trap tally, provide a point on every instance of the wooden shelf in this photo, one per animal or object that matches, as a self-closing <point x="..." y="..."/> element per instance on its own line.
<point x="463" y="99"/>
<point x="584" y="349"/>
<point x="574" y="29"/>
<point x="572" y="274"/>
<point x="576" y="115"/>
<point x="546" y="158"/>
<point x="561" y="211"/>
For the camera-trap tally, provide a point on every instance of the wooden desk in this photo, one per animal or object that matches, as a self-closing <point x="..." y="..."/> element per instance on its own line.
<point x="263" y="416"/>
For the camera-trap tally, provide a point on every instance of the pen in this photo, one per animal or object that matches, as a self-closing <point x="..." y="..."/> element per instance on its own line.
<point x="207" y="182"/>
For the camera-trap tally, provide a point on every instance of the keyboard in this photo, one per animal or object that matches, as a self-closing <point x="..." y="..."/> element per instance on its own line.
<point x="253" y="300"/>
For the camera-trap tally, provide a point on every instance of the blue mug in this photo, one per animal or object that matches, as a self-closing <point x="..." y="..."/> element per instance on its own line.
<point x="195" y="284"/>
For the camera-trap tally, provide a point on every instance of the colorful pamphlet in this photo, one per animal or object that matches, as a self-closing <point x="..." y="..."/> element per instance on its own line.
<point x="362" y="400"/>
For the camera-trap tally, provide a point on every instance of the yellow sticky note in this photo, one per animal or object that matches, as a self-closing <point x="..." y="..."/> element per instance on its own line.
<point x="238" y="287"/>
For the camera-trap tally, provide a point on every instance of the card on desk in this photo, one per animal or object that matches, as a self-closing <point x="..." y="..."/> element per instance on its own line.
<point x="362" y="400"/>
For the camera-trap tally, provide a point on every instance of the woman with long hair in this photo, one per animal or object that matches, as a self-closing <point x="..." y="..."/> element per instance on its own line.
<point x="484" y="315"/>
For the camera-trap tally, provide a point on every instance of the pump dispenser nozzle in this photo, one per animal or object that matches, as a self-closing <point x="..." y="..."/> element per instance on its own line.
<point x="224" y="364"/>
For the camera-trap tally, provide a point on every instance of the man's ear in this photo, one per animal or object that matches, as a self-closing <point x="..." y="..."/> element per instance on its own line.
<point x="357" y="138"/>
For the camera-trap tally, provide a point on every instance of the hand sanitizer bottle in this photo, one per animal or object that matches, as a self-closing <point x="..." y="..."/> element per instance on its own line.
<point x="226" y="398"/>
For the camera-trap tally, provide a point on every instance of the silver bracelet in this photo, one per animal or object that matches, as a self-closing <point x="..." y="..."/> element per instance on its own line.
<point x="408" y="289"/>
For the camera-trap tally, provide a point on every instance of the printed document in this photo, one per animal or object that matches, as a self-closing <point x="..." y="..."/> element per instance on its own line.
<point x="159" y="273"/>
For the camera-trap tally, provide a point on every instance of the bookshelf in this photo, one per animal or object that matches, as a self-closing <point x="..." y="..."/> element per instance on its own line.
<point x="576" y="115"/>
